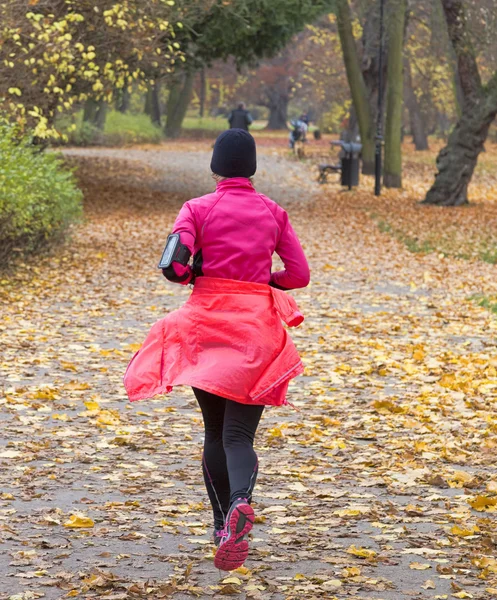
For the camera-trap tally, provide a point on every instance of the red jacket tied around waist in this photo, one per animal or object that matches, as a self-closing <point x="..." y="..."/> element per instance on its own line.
<point x="227" y="339"/>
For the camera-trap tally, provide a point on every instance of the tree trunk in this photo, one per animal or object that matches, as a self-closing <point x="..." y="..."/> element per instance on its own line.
<point x="370" y="66"/>
<point x="152" y="104"/>
<point x="90" y="111"/>
<point x="418" y="131"/>
<point x="123" y="100"/>
<point x="441" y="43"/>
<point x="147" y="108"/>
<point x="457" y="161"/>
<point x="155" y="110"/>
<point x="180" y="95"/>
<point x="101" y="116"/>
<point x="392" y="177"/>
<point x="278" y="109"/>
<point x="203" y="93"/>
<point x="357" y="85"/>
<point x="95" y="113"/>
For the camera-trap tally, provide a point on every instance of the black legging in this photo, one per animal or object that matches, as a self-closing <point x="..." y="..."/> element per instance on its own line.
<point x="229" y="462"/>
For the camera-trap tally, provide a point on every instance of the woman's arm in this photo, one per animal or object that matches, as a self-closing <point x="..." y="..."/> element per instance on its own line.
<point x="185" y="226"/>
<point x="296" y="273"/>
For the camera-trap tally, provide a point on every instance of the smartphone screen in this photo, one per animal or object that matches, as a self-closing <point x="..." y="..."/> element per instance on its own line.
<point x="168" y="253"/>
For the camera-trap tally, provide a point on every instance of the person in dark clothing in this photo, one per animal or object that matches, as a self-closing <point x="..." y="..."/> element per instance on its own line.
<point x="240" y="118"/>
<point x="304" y="117"/>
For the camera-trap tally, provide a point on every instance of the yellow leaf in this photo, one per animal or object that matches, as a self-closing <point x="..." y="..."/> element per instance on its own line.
<point x="483" y="503"/>
<point x="456" y="530"/>
<point x="458" y="479"/>
<point x="67" y="366"/>
<point x="361" y="552"/>
<point x="45" y="394"/>
<point x="107" y="417"/>
<point x="299" y="577"/>
<point x="79" y="521"/>
<point x="463" y="594"/>
<point x="487" y="563"/>
<point x="387" y="406"/>
<point x="351" y="571"/>
<point x="418" y="355"/>
<point x="234" y="580"/>
<point x="92" y="405"/>
<point x="62" y="417"/>
<point x="419" y="566"/>
<point x="347" y="512"/>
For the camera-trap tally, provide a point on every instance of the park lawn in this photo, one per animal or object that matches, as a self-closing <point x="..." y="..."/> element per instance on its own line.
<point x="468" y="232"/>
<point x="132" y="128"/>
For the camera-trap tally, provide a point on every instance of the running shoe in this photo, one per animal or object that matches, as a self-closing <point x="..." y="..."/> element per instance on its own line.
<point x="218" y="535"/>
<point x="233" y="548"/>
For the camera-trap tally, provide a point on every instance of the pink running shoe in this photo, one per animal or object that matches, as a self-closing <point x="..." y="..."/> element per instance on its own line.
<point x="233" y="549"/>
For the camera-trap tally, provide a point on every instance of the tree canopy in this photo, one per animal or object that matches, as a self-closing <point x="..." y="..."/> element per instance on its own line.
<point x="252" y="29"/>
<point x="54" y="53"/>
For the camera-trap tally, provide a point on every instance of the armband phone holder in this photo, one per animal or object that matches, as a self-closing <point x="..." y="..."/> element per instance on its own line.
<point x="174" y="251"/>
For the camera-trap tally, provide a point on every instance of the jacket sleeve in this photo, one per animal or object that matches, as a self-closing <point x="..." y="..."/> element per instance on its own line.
<point x="185" y="226"/>
<point x="249" y="119"/>
<point x="296" y="273"/>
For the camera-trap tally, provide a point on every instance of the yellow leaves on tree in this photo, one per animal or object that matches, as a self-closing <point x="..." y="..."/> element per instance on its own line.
<point x="53" y="57"/>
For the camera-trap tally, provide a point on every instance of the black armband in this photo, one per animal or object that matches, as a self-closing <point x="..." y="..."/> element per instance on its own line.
<point x="174" y="251"/>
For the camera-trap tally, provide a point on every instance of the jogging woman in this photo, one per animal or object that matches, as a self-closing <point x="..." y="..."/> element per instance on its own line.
<point x="227" y="342"/>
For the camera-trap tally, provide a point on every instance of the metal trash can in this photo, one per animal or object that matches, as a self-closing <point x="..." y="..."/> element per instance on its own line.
<point x="350" y="164"/>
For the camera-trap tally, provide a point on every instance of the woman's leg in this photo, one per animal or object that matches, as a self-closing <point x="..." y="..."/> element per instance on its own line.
<point x="214" y="459"/>
<point x="240" y="425"/>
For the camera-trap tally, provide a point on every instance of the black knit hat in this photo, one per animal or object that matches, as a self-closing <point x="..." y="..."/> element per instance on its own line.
<point x="234" y="154"/>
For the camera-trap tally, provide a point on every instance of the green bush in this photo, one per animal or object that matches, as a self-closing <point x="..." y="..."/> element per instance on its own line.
<point x="39" y="198"/>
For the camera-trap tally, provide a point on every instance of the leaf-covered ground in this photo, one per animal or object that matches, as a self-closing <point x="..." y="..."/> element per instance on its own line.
<point x="382" y="486"/>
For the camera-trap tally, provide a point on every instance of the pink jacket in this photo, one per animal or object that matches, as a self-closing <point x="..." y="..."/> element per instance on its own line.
<point x="238" y="230"/>
<point x="227" y="339"/>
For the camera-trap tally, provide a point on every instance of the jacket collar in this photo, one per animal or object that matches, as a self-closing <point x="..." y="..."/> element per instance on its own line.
<point x="234" y="182"/>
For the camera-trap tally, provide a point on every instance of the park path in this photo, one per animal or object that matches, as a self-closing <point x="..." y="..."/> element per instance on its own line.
<point x="381" y="486"/>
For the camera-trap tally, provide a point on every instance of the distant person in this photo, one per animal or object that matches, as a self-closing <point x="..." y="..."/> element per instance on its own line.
<point x="298" y="132"/>
<point x="304" y="117"/>
<point x="240" y="118"/>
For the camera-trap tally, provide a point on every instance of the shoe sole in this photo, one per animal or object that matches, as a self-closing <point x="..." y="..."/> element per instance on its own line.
<point x="232" y="553"/>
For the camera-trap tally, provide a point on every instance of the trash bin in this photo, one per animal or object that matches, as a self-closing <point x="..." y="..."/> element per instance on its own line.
<point x="350" y="164"/>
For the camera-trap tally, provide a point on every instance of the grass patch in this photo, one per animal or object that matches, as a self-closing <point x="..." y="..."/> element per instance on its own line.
<point x="412" y="244"/>
<point x="488" y="302"/>
<point x="120" y="130"/>
<point x="466" y="232"/>
<point x="489" y="255"/>
<point x="133" y="128"/>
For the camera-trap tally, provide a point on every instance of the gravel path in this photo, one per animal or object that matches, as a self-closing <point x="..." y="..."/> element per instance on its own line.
<point x="188" y="173"/>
